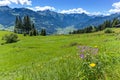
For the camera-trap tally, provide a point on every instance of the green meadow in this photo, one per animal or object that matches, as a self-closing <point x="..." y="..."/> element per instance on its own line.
<point x="56" y="57"/>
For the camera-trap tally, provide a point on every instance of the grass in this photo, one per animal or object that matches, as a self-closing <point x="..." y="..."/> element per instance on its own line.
<point x="56" y="57"/>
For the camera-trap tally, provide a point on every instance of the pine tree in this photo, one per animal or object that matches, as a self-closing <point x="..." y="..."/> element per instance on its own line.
<point x="27" y="24"/>
<point x="115" y="22"/>
<point x="20" y="27"/>
<point x="43" y="32"/>
<point x="16" y="24"/>
<point x="35" y="33"/>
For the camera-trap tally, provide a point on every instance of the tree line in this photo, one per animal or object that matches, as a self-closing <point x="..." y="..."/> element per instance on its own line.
<point x="104" y="25"/>
<point x="26" y="26"/>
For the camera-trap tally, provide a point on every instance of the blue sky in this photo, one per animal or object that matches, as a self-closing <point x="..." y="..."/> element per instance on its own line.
<point x="68" y="6"/>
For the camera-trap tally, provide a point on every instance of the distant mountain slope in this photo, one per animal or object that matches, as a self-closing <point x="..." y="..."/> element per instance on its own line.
<point x="51" y="20"/>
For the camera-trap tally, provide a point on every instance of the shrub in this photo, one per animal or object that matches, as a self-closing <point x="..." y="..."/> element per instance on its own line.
<point x="73" y="44"/>
<point x="10" y="38"/>
<point x="108" y="31"/>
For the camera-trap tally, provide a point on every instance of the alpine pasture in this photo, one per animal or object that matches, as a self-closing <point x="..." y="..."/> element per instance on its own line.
<point x="58" y="57"/>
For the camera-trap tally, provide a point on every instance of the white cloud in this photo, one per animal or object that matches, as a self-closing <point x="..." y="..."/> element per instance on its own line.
<point x="8" y="2"/>
<point x="95" y="13"/>
<point x="116" y="8"/>
<point x="39" y="8"/>
<point x="99" y="13"/>
<point x="14" y="1"/>
<point x="4" y="2"/>
<point x="75" y="10"/>
<point x="80" y="10"/>
<point x="116" y="5"/>
<point x="27" y="2"/>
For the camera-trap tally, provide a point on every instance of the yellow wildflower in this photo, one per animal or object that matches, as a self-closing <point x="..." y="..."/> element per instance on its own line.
<point x="92" y="64"/>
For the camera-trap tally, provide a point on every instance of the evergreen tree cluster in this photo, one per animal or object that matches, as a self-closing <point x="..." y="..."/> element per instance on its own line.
<point x="25" y="26"/>
<point x="43" y="32"/>
<point x="106" y="24"/>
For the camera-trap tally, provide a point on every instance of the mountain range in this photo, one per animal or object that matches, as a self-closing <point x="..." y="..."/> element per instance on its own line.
<point x="52" y="21"/>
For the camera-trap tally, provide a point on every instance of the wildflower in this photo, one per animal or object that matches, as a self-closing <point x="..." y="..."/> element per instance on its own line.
<point x="81" y="55"/>
<point x="92" y="64"/>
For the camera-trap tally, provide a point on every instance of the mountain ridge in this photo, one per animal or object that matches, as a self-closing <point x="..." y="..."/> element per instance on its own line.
<point x="51" y="20"/>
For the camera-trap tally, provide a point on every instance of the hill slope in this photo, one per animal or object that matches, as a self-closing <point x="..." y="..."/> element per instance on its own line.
<point x="50" y="57"/>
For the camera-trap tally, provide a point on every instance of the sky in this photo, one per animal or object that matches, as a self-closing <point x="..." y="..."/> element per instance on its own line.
<point x="91" y="7"/>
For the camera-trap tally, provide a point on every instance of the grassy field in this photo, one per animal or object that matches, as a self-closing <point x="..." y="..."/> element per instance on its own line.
<point x="56" y="57"/>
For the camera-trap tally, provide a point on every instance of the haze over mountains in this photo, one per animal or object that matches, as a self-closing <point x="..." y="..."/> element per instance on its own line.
<point x="52" y="21"/>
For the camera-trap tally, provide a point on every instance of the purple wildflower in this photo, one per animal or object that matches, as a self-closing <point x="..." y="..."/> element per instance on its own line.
<point x="86" y="50"/>
<point x="82" y="56"/>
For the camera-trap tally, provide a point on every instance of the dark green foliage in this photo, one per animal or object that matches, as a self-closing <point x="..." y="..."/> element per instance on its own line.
<point x="43" y="32"/>
<point x="108" y="31"/>
<point x="88" y="29"/>
<point x="18" y="25"/>
<point x="35" y="33"/>
<point x="25" y="26"/>
<point x="106" y="24"/>
<point x="115" y="22"/>
<point x="10" y="38"/>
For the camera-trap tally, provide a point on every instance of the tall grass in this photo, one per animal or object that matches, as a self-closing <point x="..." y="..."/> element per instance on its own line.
<point x="73" y="68"/>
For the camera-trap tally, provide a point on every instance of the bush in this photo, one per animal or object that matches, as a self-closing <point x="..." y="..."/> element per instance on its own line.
<point x="10" y="38"/>
<point x="108" y="31"/>
<point x="73" y="44"/>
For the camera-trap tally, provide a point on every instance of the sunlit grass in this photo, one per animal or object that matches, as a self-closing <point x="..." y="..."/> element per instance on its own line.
<point x="56" y="57"/>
